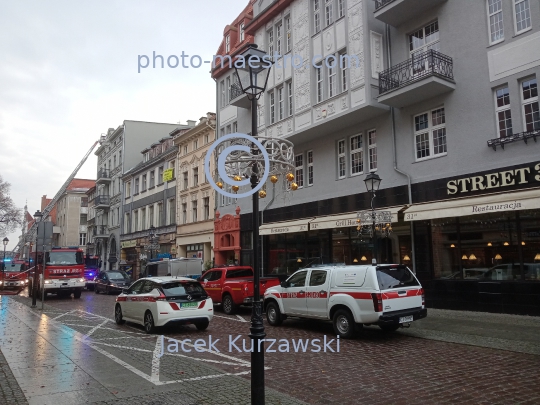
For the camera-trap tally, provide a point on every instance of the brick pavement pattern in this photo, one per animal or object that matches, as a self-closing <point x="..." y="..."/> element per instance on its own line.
<point x="10" y="392"/>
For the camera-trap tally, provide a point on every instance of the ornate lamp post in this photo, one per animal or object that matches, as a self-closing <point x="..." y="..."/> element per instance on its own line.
<point x="37" y="217"/>
<point x="5" y="241"/>
<point x="377" y="221"/>
<point x="252" y="160"/>
<point x="152" y="239"/>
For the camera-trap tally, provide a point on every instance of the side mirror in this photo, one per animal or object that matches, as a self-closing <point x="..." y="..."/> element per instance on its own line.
<point x="284" y="284"/>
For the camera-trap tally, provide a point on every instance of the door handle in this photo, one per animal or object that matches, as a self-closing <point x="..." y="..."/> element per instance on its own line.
<point x="301" y="292"/>
<point x="322" y="292"/>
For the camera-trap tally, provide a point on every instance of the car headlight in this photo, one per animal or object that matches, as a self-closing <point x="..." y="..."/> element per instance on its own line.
<point x="25" y="281"/>
<point x="81" y="280"/>
<point x="0" y="282"/>
<point x="48" y="281"/>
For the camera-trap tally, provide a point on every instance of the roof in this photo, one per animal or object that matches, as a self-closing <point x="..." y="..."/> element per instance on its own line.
<point x="85" y="184"/>
<point x="163" y="280"/>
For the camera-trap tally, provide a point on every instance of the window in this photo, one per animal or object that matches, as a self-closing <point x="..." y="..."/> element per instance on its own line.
<point x="185" y="183"/>
<point x="318" y="74"/>
<point x="290" y="99"/>
<point x="160" y="175"/>
<point x="171" y="164"/>
<point x="184" y="213"/>
<point x="235" y="127"/>
<point x="522" y="15"/>
<point x="223" y="99"/>
<point x="332" y="77"/>
<point x="504" y="115"/>
<point x="299" y="171"/>
<point x="135" y="221"/>
<point x="241" y="32"/>
<point x="194" y="210"/>
<point x="206" y="138"/>
<point x="341" y="159"/>
<point x="160" y="214"/>
<point x="228" y="129"/>
<point x="496" y="27"/>
<point x="423" y="40"/>
<point x="227" y="90"/>
<point x="119" y="157"/>
<point x="318" y="277"/>
<point x="82" y="239"/>
<point x="272" y="107"/>
<point x="206" y="203"/>
<point x="172" y="211"/>
<point x="271" y="44"/>
<point x="341" y="8"/>
<point x="83" y="219"/>
<point x="227" y="44"/>
<point x="281" y="102"/>
<point x="343" y="71"/>
<point x="430" y="134"/>
<point x="372" y="150"/>
<point x="357" y="155"/>
<point x="128" y="189"/>
<point x="151" y="215"/>
<point x="328" y="12"/>
<point x="127" y="226"/>
<point x="137" y="185"/>
<point x="152" y="178"/>
<point x="114" y="160"/>
<point x="530" y="105"/>
<point x="195" y="176"/>
<point x="185" y="149"/>
<point x="143" y="219"/>
<point x="143" y="186"/>
<point x="288" y="39"/>
<point x="310" y="168"/>
<point x="317" y="15"/>
<point x="279" y="34"/>
<point x="195" y="144"/>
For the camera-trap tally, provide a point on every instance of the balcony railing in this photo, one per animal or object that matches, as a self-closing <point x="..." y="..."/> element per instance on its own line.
<point x="522" y="136"/>
<point x="235" y="91"/>
<point x="101" y="231"/>
<point x="103" y="174"/>
<point x="101" y="200"/>
<point x="381" y="3"/>
<point x="420" y="66"/>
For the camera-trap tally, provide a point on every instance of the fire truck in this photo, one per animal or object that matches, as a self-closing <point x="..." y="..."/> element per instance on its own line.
<point x="15" y="275"/>
<point x="63" y="271"/>
<point x="91" y="270"/>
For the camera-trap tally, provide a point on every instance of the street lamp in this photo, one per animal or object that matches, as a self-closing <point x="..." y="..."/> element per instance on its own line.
<point x="37" y="217"/>
<point x="152" y="238"/>
<point x="253" y="77"/>
<point x="373" y="181"/>
<point x="5" y="241"/>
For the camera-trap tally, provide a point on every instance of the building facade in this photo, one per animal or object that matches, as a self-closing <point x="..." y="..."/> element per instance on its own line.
<point x="448" y="124"/>
<point x="149" y="204"/>
<point x="119" y="150"/>
<point x="195" y="196"/>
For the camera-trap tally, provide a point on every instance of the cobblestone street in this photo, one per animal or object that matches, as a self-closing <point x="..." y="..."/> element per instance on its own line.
<point x="379" y="368"/>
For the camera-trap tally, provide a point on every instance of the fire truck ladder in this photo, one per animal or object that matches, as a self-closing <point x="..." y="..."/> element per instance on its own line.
<point x="30" y="235"/>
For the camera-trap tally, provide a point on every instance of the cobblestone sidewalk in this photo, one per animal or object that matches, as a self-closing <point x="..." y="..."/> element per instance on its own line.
<point x="10" y="392"/>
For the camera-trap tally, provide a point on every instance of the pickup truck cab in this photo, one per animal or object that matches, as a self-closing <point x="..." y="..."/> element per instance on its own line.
<point x="233" y="286"/>
<point x="386" y="295"/>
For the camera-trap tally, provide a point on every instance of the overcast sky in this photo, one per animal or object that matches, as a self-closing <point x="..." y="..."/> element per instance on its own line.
<point x="68" y="72"/>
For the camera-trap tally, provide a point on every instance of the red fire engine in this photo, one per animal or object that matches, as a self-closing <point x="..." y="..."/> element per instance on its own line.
<point x="63" y="269"/>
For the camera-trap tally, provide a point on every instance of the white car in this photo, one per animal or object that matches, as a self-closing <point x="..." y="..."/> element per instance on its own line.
<point x="158" y="301"/>
<point x="387" y="295"/>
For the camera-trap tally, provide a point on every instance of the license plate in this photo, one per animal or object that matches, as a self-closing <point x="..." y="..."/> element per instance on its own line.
<point x="64" y="283"/>
<point x="11" y="283"/>
<point x="189" y="304"/>
<point x="404" y="319"/>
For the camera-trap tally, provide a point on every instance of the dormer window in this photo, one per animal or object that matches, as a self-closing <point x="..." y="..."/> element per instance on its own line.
<point x="227" y="44"/>
<point x="147" y="156"/>
<point x="241" y="32"/>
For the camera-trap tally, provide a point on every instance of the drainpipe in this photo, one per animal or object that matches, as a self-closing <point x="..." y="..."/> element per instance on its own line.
<point x="262" y="221"/>
<point x="394" y="149"/>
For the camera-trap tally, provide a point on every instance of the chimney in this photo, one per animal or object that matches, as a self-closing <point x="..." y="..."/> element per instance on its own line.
<point x="191" y="123"/>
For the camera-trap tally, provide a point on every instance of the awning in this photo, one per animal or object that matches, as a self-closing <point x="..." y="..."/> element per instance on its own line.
<point x="513" y="201"/>
<point x="345" y="220"/>
<point x="299" y="225"/>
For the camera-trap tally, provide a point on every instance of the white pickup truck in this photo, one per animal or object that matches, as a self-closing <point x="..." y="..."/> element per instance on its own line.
<point x="386" y="295"/>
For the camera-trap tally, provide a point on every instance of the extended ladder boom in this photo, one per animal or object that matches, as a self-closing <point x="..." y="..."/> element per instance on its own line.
<point x="33" y="229"/>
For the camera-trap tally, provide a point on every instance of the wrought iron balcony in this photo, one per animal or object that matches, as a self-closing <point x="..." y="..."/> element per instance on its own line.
<point x="237" y="97"/>
<point x="103" y="176"/>
<point x="396" y="12"/>
<point x="522" y="136"/>
<point x="102" y="202"/>
<point x="101" y="231"/>
<point x="424" y="76"/>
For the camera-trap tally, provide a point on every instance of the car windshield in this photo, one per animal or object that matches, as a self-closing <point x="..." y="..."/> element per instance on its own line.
<point x="181" y="288"/>
<point x="16" y="267"/>
<point x="117" y="275"/>
<point x="64" y="258"/>
<point x="395" y="277"/>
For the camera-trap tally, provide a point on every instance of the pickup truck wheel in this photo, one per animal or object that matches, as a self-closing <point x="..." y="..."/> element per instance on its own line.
<point x="273" y="314"/>
<point x="344" y="324"/>
<point x="202" y="325"/>
<point x="96" y="291"/>
<point x="77" y="293"/>
<point x="118" y="315"/>
<point x="149" y="326"/>
<point x="229" y="307"/>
